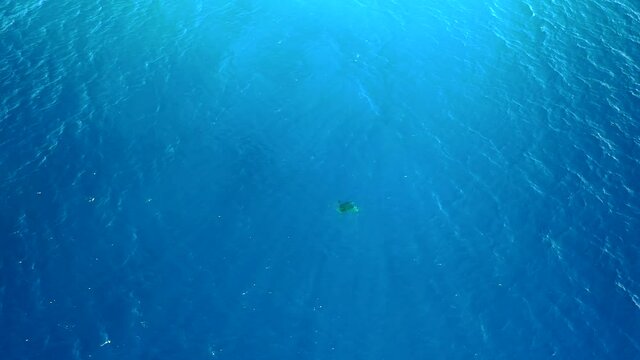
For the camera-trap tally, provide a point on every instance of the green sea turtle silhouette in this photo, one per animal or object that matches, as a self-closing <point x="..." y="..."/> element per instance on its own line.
<point x="345" y="207"/>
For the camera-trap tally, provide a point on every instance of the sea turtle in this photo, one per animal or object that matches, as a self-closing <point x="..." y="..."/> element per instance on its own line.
<point x="347" y="207"/>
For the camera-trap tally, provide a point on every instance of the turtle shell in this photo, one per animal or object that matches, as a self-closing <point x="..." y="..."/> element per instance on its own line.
<point x="347" y="207"/>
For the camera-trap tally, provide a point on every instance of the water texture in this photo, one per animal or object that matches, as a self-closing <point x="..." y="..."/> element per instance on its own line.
<point x="170" y="171"/>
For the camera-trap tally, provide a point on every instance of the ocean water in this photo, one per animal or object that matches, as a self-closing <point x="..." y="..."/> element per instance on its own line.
<point x="170" y="171"/>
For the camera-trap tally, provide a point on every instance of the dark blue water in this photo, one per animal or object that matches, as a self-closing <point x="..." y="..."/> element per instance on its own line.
<point x="170" y="171"/>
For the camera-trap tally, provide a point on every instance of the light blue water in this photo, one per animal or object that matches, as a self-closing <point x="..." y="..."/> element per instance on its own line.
<point x="169" y="174"/>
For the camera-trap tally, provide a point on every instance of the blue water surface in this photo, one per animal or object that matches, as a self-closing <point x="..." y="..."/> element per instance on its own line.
<point x="170" y="172"/>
